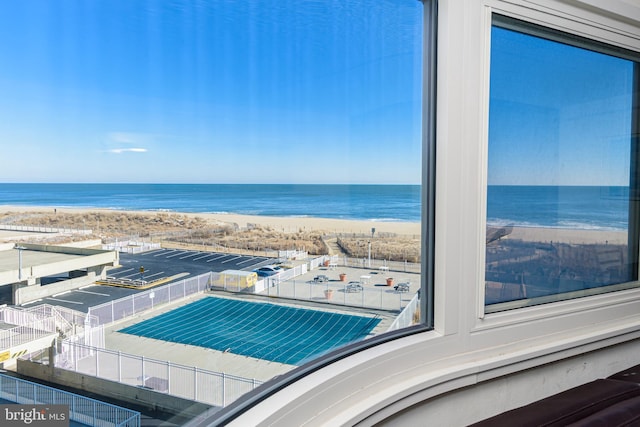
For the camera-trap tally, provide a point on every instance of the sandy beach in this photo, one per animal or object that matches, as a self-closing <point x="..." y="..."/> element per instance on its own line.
<point x="330" y="225"/>
<point x="283" y="224"/>
<point x="108" y="223"/>
<point x="394" y="241"/>
<point x="562" y="235"/>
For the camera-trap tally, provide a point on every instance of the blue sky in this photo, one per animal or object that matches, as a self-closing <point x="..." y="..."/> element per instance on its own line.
<point x="558" y="115"/>
<point x="218" y="91"/>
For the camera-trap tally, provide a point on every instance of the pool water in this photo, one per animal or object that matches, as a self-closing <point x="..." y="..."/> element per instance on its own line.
<point x="262" y="330"/>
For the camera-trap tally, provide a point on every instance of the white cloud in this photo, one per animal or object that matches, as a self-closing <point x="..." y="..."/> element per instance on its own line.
<point x="127" y="142"/>
<point x="127" y="150"/>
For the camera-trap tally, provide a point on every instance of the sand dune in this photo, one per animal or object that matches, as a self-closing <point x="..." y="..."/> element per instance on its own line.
<point x="393" y="240"/>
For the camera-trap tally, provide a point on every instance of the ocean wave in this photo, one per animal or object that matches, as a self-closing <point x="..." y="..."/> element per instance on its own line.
<point x="82" y="207"/>
<point x="571" y="225"/>
<point x="586" y="226"/>
<point x="493" y="222"/>
<point x="251" y="212"/>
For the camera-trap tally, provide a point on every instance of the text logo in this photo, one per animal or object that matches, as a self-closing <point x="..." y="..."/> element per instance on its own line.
<point x="34" y="415"/>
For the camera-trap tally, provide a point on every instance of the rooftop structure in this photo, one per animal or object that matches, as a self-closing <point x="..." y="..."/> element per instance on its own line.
<point x="25" y="268"/>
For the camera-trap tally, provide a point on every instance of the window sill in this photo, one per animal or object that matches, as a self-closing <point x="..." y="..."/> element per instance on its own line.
<point x="380" y="381"/>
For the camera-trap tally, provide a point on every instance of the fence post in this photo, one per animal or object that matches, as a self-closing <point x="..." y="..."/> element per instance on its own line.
<point x="119" y="366"/>
<point x="142" y="377"/>
<point x="224" y="390"/>
<point x="168" y="377"/>
<point x="195" y="383"/>
<point x="97" y="363"/>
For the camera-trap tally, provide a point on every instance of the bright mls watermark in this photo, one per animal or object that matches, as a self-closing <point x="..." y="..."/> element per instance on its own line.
<point x="34" y="415"/>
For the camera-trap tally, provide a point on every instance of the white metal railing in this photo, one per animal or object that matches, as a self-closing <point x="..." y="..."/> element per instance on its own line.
<point x="285" y="285"/>
<point x="130" y="247"/>
<point x="17" y="316"/>
<point x="43" y="320"/>
<point x="83" y="410"/>
<point x="337" y="294"/>
<point x="26" y="332"/>
<point x="64" y="322"/>
<point x="406" y="267"/>
<point x="189" y="382"/>
<point x="287" y="274"/>
<point x="122" y="308"/>
<point x="40" y="229"/>
<point x="292" y="254"/>
<point x="322" y="260"/>
<point x="125" y="249"/>
<point x="67" y="320"/>
<point x="410" y="315"/>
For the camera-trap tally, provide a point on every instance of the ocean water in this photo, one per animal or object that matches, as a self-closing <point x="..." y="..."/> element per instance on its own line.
<point x="584" y="207"/>
<point x="603" y="208"/>
<point x="358" y="202"/>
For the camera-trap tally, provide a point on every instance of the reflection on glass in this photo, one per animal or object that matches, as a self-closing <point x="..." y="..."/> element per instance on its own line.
<point x="560" y="144"/>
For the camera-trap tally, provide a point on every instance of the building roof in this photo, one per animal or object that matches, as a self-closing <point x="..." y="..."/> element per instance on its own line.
<point x="44" y="260"/>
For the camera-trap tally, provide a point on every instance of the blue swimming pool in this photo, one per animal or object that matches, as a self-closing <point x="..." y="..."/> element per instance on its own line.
<point x="262" y="330"/>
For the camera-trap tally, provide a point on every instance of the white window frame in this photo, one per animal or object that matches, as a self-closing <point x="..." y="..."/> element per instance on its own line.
<point x="566" y="19"/>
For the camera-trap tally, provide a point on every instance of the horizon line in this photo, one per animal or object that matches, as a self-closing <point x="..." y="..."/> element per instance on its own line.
<point x="201" y="183"/>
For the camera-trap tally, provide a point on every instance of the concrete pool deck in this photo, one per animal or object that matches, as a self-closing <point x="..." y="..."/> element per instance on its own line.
<point x="375" y="293"/>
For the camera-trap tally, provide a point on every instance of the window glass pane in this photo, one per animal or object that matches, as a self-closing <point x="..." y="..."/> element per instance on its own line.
<point x="560" y="161"/>
<point x="272" y="148"/>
